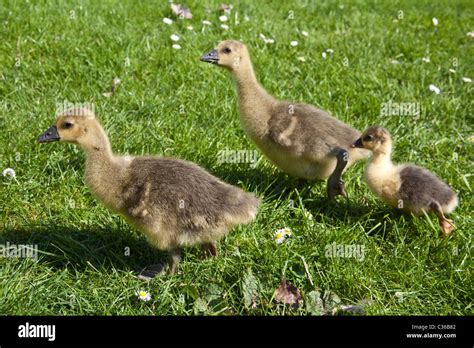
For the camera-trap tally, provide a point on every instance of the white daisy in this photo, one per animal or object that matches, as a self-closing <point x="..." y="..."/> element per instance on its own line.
<point x="205" y="22"/>
<point x="143" y="295"/>
<point x="223" y="18"/>
<point x="324" y="55"/>
<point x="190" y="27"/>
<point x="467" y="79"/>
<point x="301" y="59"/>
<point x="304" y="33"/>
<point x="224" y="26"/>
<point x="9" y="172"/>
<point x="471" y="34"/>
<point x="167" y="21"/>
<point x="435" y="89"/>
<point x="425" y="59"/>
<point x="282" y="234"/>
<point x="174" y="37"/>
<point x="435" y="21"/>
<point x="176" y="46"/>
<point x="294" y="43"/>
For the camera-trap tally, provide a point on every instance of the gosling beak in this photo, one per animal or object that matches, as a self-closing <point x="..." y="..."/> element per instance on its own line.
<point x="51" y="134"/>
<point x="211" y="57"/>
<point x="357" y="143"/>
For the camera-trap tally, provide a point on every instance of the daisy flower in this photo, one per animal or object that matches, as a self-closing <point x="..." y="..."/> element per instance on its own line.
<point x="176" y="46"/>
<point x="189" y="27"/>
<point x="9" y="172"/>
<point x="167" y="21"/>
<point x="174" y="37"/>
<point x="294" y="43"/>
<point x="467" y="79"/>
<point x="143" y="295"/>
<point x="205" y="22"/>
<point x="425" y="59"/>
<point x="224" y="26"/>
<point x="280" y="235"/>
<point x="471" y="34"/>
<point x="435" y="21"/>
<point x="301" y="59"/>
<point x="223" y="18"/>
<point x="304" y="33"/>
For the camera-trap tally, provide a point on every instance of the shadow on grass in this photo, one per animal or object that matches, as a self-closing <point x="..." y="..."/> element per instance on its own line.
<point x="62" y="246"/>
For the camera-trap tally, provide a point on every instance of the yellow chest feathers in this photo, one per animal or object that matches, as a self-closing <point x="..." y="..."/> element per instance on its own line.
<point x="383" y="180"/>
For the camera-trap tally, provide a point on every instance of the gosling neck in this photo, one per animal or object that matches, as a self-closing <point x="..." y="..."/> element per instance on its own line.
<point x="382" y="156"/>
<point x="247" y="84"/>
<point x="98" y="149"/>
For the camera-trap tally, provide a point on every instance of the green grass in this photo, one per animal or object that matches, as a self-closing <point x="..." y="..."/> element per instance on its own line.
<point x="82" y="269"/>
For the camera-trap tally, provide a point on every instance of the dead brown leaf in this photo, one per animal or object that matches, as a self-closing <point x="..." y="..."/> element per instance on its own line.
<point x="288" y="294"/>
<point x="181" y="11"/>
<point x="225" y="8"/>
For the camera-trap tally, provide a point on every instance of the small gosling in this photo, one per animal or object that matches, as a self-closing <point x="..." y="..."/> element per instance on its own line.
<point x="407" y="187"/>
<point x="174" y="202"/>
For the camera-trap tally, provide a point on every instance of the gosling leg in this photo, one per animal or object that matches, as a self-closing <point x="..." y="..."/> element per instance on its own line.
<point x="175" y="258"/>
<point x="447" y="226"/>
<point x="335" y="184"/>
<point x="209" y="249"/>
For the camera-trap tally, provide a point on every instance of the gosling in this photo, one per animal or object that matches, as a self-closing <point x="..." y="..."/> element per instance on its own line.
<point x="407" y="187"/>
<point x="174" y="202"/>
<point x="301" y="140"/>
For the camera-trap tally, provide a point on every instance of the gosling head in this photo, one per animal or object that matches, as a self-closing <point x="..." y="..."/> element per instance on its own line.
<point x="229" y="54"/>
<point x="72" y="126"/>
<point x="376" y="139"/>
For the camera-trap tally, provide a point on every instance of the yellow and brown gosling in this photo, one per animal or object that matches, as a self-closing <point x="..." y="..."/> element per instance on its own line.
<point x="407" y="187"/>
<point x="298" y="138"/>
<point x="174" y="202"/>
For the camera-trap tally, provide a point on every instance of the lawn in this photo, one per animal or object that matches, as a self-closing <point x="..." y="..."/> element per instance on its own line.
<point x="169" y="103"/>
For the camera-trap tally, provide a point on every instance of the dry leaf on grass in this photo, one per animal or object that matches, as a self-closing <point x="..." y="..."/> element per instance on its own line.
<point x="115" y="84"/>
<point x="181" y="11"/>
<point x="288" y="294"/>
<point x="225" y="8"/>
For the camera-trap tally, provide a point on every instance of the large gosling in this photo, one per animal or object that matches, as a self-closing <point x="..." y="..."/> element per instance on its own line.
<point x="298" y="138"/>
<point x="407" y="187"/>
<point x="174" y="202"/>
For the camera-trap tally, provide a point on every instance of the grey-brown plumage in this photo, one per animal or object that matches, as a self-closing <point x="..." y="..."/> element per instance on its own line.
<point x="407" y="187"/>
<point x="174" y="202"/>
<point x="419" y="187"/>
<point x="298" y="138"/>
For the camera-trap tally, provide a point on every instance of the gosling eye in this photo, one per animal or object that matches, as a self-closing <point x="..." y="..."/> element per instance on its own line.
<point x="66" y="125"/>
<point x="368" y="138"/>
<point x="227" y="50"/>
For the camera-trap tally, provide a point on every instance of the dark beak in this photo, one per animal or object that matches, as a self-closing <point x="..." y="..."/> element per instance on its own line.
<point x="50" y="135"/>
<point x="357" y="143"/>
<point x="211" y="57"/>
